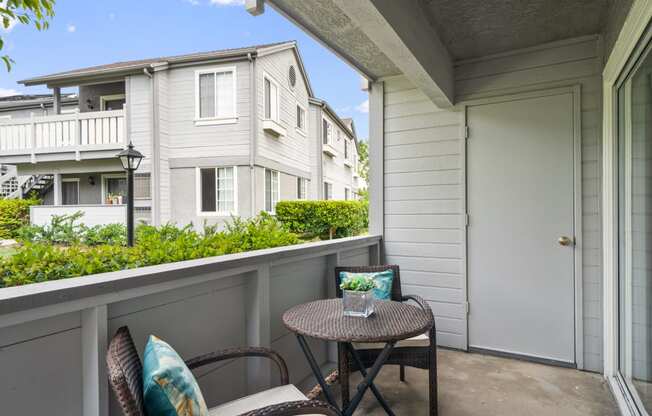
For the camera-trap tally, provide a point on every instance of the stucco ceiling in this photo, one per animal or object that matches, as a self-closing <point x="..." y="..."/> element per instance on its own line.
<point x="325" y="18"/>
<point x="473" y="28"/>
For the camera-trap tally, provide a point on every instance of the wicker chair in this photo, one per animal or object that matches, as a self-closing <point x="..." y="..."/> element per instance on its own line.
<point x="125" y="376"/>
<point x="418" y="352"/>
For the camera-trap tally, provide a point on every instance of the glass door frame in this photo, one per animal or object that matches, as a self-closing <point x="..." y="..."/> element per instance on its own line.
<point x="633" y="43"/>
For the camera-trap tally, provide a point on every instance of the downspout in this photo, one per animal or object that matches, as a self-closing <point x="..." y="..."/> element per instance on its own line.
<point x="253" y="125"/>
<point x="154" y="183"/>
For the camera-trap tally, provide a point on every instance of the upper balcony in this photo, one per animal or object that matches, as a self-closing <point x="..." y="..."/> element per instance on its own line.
<point x="76" y="136"/>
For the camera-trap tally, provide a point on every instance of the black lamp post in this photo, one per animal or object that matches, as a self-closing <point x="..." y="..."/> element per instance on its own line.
<point x="130" y="159"/>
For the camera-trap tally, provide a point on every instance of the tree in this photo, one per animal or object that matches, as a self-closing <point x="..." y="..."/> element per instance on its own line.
<point x="38" y="12"/>
<point x="363" y="154"/>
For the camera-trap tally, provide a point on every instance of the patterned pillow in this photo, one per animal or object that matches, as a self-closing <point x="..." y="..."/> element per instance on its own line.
<point x="383" y="280"/>
<point x="169" y="388"/>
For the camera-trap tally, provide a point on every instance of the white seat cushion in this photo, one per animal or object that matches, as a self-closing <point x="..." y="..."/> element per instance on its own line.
<point x="419" y="341"/>
<point x="287" y="393"/>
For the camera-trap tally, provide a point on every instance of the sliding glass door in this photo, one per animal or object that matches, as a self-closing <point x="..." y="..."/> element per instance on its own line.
<point x="635" y="231"/>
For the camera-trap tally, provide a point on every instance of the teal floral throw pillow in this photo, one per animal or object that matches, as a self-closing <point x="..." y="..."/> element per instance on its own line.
<point x="169" y="388"/>
<point x="383" y="280"/>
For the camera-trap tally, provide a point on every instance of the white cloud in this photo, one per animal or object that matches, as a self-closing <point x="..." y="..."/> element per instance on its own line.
<point x="192" y="2"/>
<point x="7" y="92"/>
<point x="344" y="109"/>
<point x="363" y="107"/>
<point x="111" y="16"/>
<point x="228" y="2"/>
<point x="71" y="28"/>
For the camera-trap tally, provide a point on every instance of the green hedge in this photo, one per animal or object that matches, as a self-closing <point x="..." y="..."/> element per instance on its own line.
<point x="324" y="218"/>
<point x="14" y="213"/>
<point x="42" y="261"/>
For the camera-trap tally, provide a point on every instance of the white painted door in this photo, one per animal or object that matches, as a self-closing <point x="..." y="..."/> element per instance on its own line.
<point x="520" y="202"/>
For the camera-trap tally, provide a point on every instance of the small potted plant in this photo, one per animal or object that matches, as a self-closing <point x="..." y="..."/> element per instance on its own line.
<point x="358" y="296"/>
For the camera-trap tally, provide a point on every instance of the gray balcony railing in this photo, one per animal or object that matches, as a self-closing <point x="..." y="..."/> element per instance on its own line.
<point x="53" y="335"/>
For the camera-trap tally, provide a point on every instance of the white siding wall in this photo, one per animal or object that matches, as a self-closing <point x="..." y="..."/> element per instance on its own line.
<point x="334" y="170"/>
<point x="139" y="102"/>
<point x="190" y="141"/>
<point x="425" y="186"/>
<point x="293" y="149"/>
<point x="424" y="207"/>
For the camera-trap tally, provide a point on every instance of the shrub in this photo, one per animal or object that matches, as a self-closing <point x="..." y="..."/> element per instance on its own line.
<point x="321" y="218"/>
<point x="14" y="213"/>
<point x="68" y="230"/>
<point x="42" y="261"/>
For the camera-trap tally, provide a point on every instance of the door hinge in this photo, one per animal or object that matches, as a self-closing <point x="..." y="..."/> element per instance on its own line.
<point x="466" y="132"/>
<point x="466" y="220"/>
<point x="467" y="308"/>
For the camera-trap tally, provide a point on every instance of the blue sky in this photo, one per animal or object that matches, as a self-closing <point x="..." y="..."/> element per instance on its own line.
<point x="92" y="32"/>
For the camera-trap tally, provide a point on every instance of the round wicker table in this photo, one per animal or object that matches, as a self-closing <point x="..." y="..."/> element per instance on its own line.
<point x="325" y="320"/>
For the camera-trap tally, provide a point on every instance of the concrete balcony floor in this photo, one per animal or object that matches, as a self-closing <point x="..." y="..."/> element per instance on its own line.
<point x="474" y="384"/>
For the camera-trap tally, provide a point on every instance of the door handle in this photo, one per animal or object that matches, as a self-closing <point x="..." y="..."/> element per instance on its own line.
<point x="566" y="241"/>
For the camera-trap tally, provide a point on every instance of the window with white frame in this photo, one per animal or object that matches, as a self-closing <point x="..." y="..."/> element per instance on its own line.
<point x="216" y="191"/>
<point x="301" y="118"/>
<point x="326" y="131"/>
<point x="271" y="98"/>
<point x="328" y="190"/>
<point x="215" y="94"/>
<point x="347" y="193"/>
<point x="302" y="188"/>
<point x="272" y="190"/>
<point x="346" y="149"/>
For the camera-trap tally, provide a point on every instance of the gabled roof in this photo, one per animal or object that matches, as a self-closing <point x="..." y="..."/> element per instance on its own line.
<point x="137" y="66"/>
<point x="349" y="123"/>
<point x="18" y="102"/>
<point x="347" y="127"/>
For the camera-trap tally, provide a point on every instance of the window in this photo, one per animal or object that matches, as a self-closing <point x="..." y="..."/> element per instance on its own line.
<point x="346" y="149"/>
<point x="142" y="186"/>
<point x="271" y="99"/>
<point x="114" y="186"/>
<point x="302" y="188"/>
<point x="70" y="191"/>
<point x="215" y="96"/>
<point x="301" y="118"/>
<point x="272" y="190"/>
<point x="328" y="190"/>
<point x="217" y="193"/>
<point x="112" y="102"/>
<point x="326" y="131"/>
<point x="347" y="194"/>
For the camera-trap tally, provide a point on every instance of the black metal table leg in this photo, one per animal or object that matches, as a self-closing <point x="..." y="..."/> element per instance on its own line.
<point x="316" y="371"/>
<point x="367" y="381"/>
<point x="372" y="386"/>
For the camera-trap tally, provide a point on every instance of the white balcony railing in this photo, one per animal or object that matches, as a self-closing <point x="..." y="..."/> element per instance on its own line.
<point x="93" y="214"/>
<point x="67" y="132"/>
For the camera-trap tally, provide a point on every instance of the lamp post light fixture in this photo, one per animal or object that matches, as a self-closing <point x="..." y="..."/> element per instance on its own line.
<point x="130" y="159"/>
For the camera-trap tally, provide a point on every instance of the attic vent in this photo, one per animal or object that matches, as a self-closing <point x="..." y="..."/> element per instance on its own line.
<point x="292" y="76"/>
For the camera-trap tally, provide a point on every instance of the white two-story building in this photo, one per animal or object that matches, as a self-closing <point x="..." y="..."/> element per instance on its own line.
<point x="224" y="133"/>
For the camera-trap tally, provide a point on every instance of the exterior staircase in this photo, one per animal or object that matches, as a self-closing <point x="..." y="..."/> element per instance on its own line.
<point x="13" y="186"/>
<point x="38" y="184"/>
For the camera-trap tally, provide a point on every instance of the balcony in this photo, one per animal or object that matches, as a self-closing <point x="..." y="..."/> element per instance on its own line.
<point x="62" y="137"/>
<point x="93" y="214"/>
<point x="329" y="149"/>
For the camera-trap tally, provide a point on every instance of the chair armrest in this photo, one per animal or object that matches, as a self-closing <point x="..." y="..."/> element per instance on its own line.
<point x="231" y="353"/>
<point x="302" y="407"/>
<point x="421" y="302"/>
